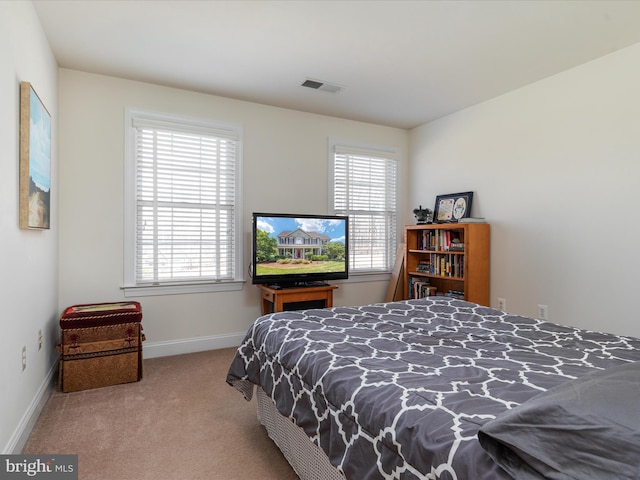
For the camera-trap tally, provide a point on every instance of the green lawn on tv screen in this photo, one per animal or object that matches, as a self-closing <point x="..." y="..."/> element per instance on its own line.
<point x="315" y="267"/>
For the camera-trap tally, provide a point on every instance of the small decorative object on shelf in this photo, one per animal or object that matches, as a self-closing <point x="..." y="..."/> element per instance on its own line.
<point x="423" y="215"/>
<point x="456" y="246"/>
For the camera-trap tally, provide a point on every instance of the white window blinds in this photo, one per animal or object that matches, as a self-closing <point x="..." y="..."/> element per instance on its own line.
<point x="186" y="197"/>
<point x="364" y="186"/>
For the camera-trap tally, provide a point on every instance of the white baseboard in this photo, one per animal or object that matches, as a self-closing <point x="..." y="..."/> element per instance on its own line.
<point x="191" y="345"/>
<point x="21" y="434"/>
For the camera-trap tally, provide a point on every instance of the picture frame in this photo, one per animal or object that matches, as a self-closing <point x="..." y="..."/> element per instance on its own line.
<point x="452" y="207"/>
<point x="35" y="161"/>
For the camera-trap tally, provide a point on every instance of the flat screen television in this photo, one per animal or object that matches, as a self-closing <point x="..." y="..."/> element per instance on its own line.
<point x="292" y="250"/>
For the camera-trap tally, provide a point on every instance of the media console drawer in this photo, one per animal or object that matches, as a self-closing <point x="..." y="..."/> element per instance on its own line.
<point x="268" y="296"/>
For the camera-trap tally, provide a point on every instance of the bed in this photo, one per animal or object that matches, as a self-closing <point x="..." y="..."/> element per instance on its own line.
<point x="440" y="388"/>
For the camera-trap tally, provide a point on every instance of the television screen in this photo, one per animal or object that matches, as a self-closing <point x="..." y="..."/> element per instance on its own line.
<point x="293" y="250"/>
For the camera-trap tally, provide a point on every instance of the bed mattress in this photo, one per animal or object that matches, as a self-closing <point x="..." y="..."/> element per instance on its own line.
<point x="400" y="390"/>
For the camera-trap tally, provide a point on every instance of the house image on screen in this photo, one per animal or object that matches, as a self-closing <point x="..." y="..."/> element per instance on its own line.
<point x="299" y="244"/>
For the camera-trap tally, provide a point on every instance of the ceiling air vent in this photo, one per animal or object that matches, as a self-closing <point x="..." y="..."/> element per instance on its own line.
<point x="322" y="86"/>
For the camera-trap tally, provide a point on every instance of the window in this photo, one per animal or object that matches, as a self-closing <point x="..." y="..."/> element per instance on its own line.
<point x="363" y="185"/>
<point x="182" y="219"/>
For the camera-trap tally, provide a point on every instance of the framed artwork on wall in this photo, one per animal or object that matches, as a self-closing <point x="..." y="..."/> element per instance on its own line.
<point x="452" y="207"/>
<point x="35" y="160"/>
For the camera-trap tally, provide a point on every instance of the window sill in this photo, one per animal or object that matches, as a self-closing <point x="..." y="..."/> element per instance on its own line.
<point x="177" y="289"/>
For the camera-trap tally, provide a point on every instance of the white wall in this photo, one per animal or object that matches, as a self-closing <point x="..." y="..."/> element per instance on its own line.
<point x="28" y="258"/>
<point x="555" y="167"/>
<point x="285" y="170"/>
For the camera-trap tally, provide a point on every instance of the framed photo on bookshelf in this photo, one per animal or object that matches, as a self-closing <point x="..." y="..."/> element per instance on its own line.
<point x="452" y="207"/>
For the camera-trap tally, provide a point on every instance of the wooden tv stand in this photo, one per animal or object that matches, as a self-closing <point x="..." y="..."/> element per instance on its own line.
<point x="275" y="299"/>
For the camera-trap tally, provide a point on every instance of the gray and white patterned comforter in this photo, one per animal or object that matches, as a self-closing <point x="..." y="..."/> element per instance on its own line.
<point x="400" y="390"/>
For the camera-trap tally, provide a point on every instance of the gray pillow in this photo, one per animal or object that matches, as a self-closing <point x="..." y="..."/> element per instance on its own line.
<point x="587" y="428"/>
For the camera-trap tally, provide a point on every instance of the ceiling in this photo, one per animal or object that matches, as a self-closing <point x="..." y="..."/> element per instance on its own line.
<point x="399" y="63"/>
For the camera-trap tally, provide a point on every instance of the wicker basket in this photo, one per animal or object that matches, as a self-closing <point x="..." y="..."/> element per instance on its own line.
<point x="101" y="345"/>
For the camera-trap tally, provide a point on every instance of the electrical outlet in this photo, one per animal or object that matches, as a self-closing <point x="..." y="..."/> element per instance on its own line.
<point x="543" y="312"/>
<point x="24" y="357"/>
<point x="40" y="339"/>
<point x="502" y="304"/>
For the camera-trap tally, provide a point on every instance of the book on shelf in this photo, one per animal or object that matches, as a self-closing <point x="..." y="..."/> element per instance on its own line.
<point x="423" y="266"/>
<point x="419" y="288"/>
<point x="440" y="241"/>
<point x="459" y="294"/>
<point x="443" y="265"/>
<point x="472" y="220"/>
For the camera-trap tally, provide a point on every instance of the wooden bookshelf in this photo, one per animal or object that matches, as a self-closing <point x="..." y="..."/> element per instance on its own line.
<point x="448" y="257"/>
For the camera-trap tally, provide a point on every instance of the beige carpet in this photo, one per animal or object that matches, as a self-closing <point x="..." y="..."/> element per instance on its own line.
<point x="180" y="422"/>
